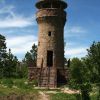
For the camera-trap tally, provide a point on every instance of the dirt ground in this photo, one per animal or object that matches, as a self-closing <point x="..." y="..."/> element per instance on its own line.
<point x="42" y="95"/>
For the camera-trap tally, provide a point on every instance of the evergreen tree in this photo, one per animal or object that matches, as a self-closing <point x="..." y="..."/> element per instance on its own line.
<point x="80" y="77"/>
<point x="10" y="65"/>
<point x="8" y="61"/>
<point x="21" y="70"/>
<point x="30" y="57"/>
<point x="93" y="61"/>
<point x="3" y="54"/>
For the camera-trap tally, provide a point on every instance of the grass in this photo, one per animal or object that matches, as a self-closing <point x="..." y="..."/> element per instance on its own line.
<point x="62" y="96"/>
<point x="17" y="86"/>
<point x="21" y="87"/>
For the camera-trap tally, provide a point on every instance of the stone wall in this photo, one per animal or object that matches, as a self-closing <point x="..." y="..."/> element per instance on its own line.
<point x="51" y="20"/>
<point x="51" y="23"/>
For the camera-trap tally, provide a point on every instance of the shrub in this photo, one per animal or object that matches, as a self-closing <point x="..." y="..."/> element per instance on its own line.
<point x="21" y="84"/>
<point x="8" y="82"/>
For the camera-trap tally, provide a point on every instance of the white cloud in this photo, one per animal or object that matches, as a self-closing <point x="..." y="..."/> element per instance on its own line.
<point x="76" y="29"/>
<point x="22" y="49"/>
<point x="75" y="49"/>
<point x="12" y="20"/>
<point x="76" y="52"/>
<point x="21" y="44"/>
<point x="69" y="44"/>
<point x="6" y="9"/>
<point x="15" y="22"/>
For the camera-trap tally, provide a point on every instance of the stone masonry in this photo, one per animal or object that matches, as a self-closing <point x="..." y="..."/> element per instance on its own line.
<point x="51" y="19"/>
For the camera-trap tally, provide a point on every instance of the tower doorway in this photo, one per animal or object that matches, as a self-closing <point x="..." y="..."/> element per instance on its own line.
<point x="49" y="58"/>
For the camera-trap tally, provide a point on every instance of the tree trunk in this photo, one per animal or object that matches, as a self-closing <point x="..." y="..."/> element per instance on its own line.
<point x="85" y="95"/>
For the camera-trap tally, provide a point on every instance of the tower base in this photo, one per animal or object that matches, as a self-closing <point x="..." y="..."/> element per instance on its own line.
<point x="49" y="77"/>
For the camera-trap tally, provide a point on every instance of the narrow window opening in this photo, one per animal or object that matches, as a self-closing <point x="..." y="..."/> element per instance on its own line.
<point x="49" y="34"/>
<point x="49" y="58"/>
<point x="39" y="44"/>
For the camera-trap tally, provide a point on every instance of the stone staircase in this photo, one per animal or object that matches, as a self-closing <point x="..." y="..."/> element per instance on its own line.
<point x="47" y="77"/>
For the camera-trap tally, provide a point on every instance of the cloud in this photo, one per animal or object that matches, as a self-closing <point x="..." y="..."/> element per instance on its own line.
<point x="75" y="31"/>
<point x="6" y="9"/>
<point x="9" y="18"/>
<point x="11" y="25"/>
<point x="76" y="52"/>
<point x="21" y="44"/>
<point x="18" y="22"/>
<point x="75" y="48"/>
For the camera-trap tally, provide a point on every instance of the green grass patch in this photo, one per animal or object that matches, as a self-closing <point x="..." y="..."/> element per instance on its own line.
<point x="63" y="96"/>
<point x="22" y="87"/>
<point x="17" y="86"/>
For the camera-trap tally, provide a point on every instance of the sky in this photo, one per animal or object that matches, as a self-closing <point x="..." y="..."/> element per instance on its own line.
<point x="18" y="24"/>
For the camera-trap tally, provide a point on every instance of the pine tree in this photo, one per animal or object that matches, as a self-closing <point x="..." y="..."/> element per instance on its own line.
<point x="80" y="77"/>
<point x="3" y="54"/>
<point x="30" y="57"/>
<point x="93" y="61"/>
<point x="10" y="65"/>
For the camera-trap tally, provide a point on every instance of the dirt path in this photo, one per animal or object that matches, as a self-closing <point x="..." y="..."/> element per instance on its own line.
<point x="43" y="96"/>
<point x="69" y="91"/>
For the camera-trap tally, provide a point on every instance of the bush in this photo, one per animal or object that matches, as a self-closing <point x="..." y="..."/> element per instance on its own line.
<point x="21" y="84"/>
<point x="7" y="82"/>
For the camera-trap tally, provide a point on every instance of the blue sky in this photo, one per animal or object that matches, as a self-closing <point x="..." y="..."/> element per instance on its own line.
<point x="18" y="25"/>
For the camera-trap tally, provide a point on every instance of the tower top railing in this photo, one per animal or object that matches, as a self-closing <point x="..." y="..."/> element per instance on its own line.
<point x="51" y="3"/>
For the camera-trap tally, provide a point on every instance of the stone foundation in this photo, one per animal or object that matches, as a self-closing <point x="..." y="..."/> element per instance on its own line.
<point x="49" y="77"/>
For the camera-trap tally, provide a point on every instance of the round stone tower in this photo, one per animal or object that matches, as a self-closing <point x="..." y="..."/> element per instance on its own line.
<point x="51" y="19"/>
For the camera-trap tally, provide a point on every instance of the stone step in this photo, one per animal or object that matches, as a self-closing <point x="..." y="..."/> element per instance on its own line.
<point x="45" y="75"/>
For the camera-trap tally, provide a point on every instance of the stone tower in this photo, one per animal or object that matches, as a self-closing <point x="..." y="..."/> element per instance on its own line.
<point x="51" y="19"/>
